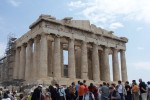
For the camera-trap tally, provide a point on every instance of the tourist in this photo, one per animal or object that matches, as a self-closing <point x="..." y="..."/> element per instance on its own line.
<point x="5" y="97"/>
<point x="94" y="90"/>
<point x="21" y="97"/>
<point x="81" y="91"/>
<point x="121" y="90"/>
<point x="77" y="88"/>
<point x="14" y="96"/>
<point x="104" y="91"/>
<point x="148" y="86"/>
<point x="37" y="94"/>
<point x="99" y="91"/>
<point x="128" y="89"/>
<point x="61" y="92"/>
<point x="68" y="97"/>
<point x="48" y="95"/>
<point x="88" y="95"/>
<point x="135" y="91"/>
<point x="53" y="92"/>
<point x="143" y="91"/>
<point x="72" y="91"/>
<point x="113" y="94"/>
<point x="84" y="83"/>
<point x="107" y="84"/>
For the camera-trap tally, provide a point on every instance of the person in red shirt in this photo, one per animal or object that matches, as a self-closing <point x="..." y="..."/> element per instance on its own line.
<point x="94" y="90"/>
<point x="81" y="91"/>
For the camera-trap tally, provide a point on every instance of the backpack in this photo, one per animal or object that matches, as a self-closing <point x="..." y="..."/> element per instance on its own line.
<point x="72" y="90"/>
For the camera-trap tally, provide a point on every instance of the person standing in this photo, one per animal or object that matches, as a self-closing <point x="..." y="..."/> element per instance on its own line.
<point x="88" y="95"/>
<point x="48" y="95"/>
<point x="72" y="91"/>
<point x="148" y="86"/>
<point x="77" y="88"/>
<point x="61" y="92"/>
<point x="143" y="91"/>
<point x="104" y="91"/>
<point x="121" y="90"/>
<point x="135" y="91"/>
<point x="113" y="94"/>
<point x="94" y="90"/>
<point x="37" y="94"/>
<point x="128" y="89"/>
<point x="81" y="91"/>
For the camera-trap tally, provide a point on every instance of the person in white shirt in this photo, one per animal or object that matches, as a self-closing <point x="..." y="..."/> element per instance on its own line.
<point x="88" y="95"/>
<point x="121" y="90"/>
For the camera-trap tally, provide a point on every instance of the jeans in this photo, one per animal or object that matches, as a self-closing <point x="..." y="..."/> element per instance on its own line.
<point x="80" y="97"/>
<point x="121" y="95"/>
<point x="103" y="97"/>
<point x="128" y="97"/>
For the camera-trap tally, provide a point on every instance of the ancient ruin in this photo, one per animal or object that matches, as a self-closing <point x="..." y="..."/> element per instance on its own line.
<point x="38" y="54"/>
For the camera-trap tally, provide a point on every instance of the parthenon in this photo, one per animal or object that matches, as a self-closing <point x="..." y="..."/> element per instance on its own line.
<point x="39" y="52"/>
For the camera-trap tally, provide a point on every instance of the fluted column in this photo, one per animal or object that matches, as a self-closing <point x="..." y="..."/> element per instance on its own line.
<point x="57" y="59"/>
<point x="71" y="60"/>
<point x="95" y="63"/>
<point x="50" y="58"/>
<point x="123" y="66"/>
<point x="106" y="68"/>
<point x="84" y="61"/>
<point x="28" y="60"/>
<point x="22" y="62"/>
<point x="43" y="57"/>
<point x="36" y="58"/>
<point x="17" y="62"/>
<point x="116" y="73"/>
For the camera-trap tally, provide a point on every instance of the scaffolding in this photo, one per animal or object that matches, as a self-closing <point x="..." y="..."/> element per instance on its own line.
<point x="7" y="62"/>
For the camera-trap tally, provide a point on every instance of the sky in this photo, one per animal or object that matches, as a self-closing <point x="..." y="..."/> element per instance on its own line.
<point x="127" y="18"/>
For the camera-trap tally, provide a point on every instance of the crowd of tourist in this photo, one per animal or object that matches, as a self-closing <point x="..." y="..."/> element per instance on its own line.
<point x="81" y="91"/>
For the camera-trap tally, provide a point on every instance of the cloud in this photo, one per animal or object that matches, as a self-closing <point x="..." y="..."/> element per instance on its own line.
<point x="14" y="3"/>
<point x="106" y="12"/>
<point x="116" y="25"/>
<point x="145" y="65"/>
<point x="140" y="48"/>
<point x="2" y="49"/>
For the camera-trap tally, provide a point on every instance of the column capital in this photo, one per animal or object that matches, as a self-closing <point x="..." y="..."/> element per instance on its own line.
<point x="30" y="41"/>
<point x="24" y="44"/>
<point x="37" y="38"/>
<point x="115" y="49"/>
<point x="18" y="48"/>
<point x="122" y="50"/>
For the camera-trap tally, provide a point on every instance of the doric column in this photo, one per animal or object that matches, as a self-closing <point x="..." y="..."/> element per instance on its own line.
<point x="36" y="59"/>
<point x="95" y="63"/>
<point x="62" y="59"/>
<point x="17" y="62"/>
<point x="50" y="58"/>
<point x="123" y="66"/>
<point x="22" y="62"/>
<point x="78" y="61"/>
<point x="116" y="74"/>
<point x="106" y="68"/>
<point x="84" y="61"/>
<point x="43" y="57"/>
<point x="28" y="60"/>
<point x="57" y="59"/>
<point x="71" y="60"/>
